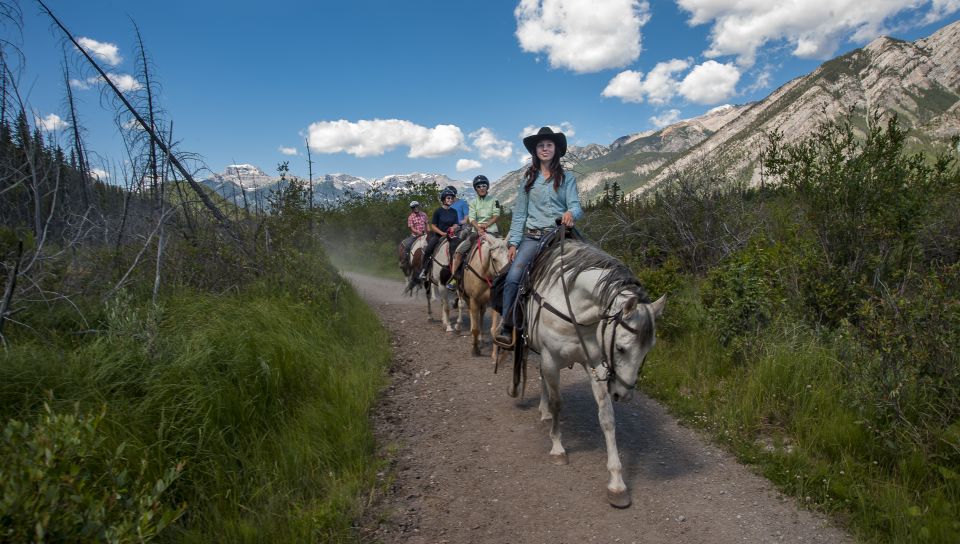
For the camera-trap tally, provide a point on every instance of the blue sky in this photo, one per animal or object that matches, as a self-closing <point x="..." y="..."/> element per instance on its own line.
<point x="444" y="86"/>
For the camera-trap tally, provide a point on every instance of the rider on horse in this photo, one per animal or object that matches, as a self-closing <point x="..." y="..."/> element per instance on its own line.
<point x="546" y="194"/>
<point x="444" y="223"/>
<point x="484" y="212"/>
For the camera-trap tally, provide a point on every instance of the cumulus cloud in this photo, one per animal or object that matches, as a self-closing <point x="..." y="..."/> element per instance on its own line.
<point x="125" y="82"/>
<point x="564" y="127"/>
<point x="489" y="146"/>
<point x="468" y="164"/>
<point x="99" y="173"/>
<point x="107" y="52"/>
<point x="814" y="29"/>
<point x="658" y="87"/>
<point x="83" y="84"/>
<point x="287" y="150"/>
<point x="666" y="118"/>
<point x="368" y="138"/>
<point x="582" y="35"/>
<point x="51" y="122"/>
<point x="710" y="82"/>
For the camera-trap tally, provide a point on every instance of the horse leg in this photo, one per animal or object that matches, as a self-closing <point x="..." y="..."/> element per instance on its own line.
<point x="445" y="306"/>
<point x="458" y="326"/>
<point x="617" y="494"/>
<point x="476" y="317"/>
<point x="426" y="290"/>
<point x="550" y="392"/>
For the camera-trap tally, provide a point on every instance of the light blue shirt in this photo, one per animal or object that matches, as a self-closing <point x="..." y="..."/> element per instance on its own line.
<point x="463" y="209"/>
<point x="540" y="208"/>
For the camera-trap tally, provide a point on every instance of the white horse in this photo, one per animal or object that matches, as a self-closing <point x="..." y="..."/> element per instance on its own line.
<point x="484" y="262"/>
<point x="586" y="307"/>
<point x="440" y="262"/>
<point x="410" y="266"/>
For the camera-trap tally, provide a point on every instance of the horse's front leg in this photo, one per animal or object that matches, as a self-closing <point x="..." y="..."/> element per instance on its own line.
<point x="476" y="317"/>
<point x="550" y="396"/>
<point x="617" y="494"/>
<point x="445" y="306"/>
<point x="458" y="326"/>
<point x="426" y="290"/>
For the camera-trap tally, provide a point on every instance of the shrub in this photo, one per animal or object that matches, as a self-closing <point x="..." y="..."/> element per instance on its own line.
<point x="59" y="483"/>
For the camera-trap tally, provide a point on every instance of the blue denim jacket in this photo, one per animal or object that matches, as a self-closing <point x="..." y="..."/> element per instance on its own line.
<point x="542" y="206"/>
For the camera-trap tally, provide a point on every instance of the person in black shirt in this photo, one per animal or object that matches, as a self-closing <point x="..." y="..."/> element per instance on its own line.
<point x="445" y="222"/>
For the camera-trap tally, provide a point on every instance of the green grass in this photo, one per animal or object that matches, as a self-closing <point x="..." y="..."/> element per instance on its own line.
<point x="264" y="395"/>
<point x="785" y="409"/>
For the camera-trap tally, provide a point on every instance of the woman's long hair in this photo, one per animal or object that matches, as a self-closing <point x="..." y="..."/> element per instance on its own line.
<point x="556" y="172"/>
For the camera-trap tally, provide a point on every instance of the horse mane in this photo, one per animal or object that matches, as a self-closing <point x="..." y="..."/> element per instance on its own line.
<point x="580" y="256"/>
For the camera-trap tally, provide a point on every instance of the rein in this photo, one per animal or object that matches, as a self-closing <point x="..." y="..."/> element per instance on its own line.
<point x="479" y="250"/>
<point x="608" y="363"/>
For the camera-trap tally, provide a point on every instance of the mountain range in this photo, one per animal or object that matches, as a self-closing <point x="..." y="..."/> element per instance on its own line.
<point x="247" y="185"/>
<point x="919" y="81"/>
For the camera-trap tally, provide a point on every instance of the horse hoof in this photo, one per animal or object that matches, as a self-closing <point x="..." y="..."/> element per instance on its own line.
<point x="561" y="459"/>
<point x="512" y="391"/>
<point x="618" y="499"/>
<point x="476" y="351"/>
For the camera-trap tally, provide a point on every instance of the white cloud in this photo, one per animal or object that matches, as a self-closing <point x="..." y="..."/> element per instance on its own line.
<point x="125" y="82"/>
<point x="107" y="52"/>
<point x="368" y="138"/>
<point x="582" y="35"/>
<point x="99" y="173"/>
<point x="468" y="164"/>
<point x="658" y="87"/>
<point x="489" y="146"/>
<point x="565" y="127"/>
<point x="51" y="122"/>
<point x="710" y="82"/>
<point x="82" y="84"/>
<point x="666" y="118"/>
<point x="814" y="29"/>
<point x="287" y="150"/>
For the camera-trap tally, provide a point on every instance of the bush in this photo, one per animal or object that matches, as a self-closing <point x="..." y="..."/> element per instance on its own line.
<point x="58" y="483"/>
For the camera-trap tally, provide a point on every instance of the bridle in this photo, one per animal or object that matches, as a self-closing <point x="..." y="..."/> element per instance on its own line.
<point x="479" y="251"/>
<point x="608" y="363"/>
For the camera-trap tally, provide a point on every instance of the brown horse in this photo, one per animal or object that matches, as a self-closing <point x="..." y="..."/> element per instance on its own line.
<point x="486" y="259"/>
<point x="410" y="266"/>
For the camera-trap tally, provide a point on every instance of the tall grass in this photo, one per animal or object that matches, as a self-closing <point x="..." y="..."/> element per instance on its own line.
<point x="788" y="410"/>
<point x="262" y="394"/>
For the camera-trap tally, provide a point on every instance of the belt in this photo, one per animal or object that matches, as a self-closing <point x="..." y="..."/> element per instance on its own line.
<point x="538" y="232"/>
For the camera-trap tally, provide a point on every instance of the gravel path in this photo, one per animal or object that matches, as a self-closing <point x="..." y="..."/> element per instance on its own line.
<point x="470" y="464"/>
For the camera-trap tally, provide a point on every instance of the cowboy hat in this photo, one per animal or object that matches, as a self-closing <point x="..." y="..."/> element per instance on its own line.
<point x="546" y="133"/>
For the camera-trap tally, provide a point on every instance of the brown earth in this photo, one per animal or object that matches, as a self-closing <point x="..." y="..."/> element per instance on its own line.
<point x="470" y="464"/>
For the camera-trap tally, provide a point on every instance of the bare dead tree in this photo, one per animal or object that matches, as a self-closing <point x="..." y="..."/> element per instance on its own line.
<point x="204" y="198"/>
<point x="75" y="132"/>
<point x="11" y="285"/>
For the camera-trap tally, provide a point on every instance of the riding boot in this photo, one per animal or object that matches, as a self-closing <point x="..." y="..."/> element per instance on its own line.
<point x="504" y="336"/>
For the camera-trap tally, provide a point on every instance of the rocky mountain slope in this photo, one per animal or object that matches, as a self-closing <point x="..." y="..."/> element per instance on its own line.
<point x="919" y="81"/>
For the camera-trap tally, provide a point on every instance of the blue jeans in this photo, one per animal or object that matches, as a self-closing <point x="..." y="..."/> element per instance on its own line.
<point x="526" y="251"/>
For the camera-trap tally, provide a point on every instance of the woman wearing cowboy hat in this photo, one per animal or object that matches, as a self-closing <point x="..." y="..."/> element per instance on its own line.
<point x="547" y="193"/>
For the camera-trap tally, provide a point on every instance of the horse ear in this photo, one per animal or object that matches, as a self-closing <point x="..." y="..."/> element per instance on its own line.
<point x="629" y="306"/>
<point x="657" y="306"/>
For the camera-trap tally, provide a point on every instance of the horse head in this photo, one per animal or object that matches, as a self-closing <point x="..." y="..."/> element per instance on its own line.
<point x="499" y="256"/>
<point x="626" y="337"/>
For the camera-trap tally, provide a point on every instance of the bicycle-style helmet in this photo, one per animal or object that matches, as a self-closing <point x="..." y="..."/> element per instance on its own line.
<point x="414" y="204"/>
<point x="452" y="189"/>
<point x="480" y="180"/>
<point x="447" y="192"/>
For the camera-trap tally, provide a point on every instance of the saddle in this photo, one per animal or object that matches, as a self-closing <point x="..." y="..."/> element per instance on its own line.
<point x="548" y="239"/>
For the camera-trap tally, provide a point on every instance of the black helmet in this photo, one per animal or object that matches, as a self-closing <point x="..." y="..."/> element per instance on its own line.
<point x="480" y="180"/>
<point x="447" y="192"/>
<point x="452" y="189"/>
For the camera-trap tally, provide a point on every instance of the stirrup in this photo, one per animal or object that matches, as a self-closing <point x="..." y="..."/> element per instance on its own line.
<point x="505" y="345"/>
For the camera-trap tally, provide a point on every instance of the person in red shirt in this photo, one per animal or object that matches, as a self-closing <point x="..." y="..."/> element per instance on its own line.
<point x="417" y="223"/>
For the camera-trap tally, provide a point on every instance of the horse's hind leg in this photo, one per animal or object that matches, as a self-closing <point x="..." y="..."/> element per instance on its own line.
<point x="476" y="318"/>
<point x="550" y="395"/>
<point x="617" y="494"/>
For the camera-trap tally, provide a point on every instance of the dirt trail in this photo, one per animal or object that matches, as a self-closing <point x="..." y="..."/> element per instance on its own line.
<point x="471" y="465"/>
